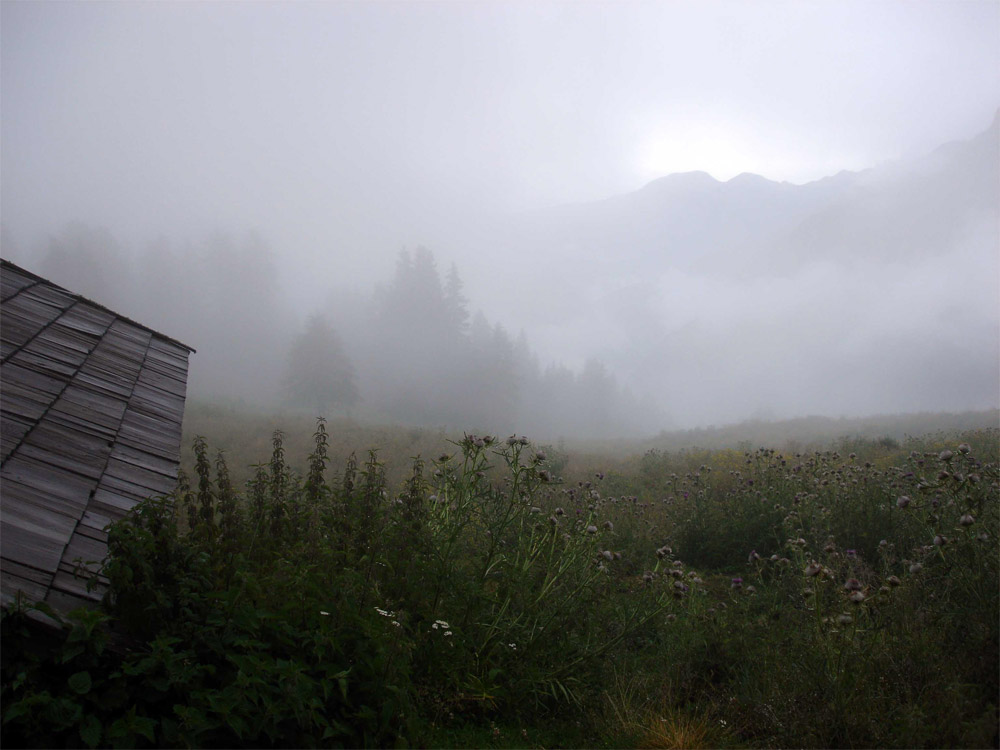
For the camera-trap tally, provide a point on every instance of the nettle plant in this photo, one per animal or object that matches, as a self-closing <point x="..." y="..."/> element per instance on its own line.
<point x="531" y="593"/>
<point x="311" y="612"/>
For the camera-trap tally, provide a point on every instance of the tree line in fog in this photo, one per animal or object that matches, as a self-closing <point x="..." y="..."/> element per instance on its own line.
<point x="412" y="350"/>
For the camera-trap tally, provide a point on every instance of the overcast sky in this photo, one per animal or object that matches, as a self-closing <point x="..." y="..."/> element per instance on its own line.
<point x="344" y="131"/>
<point x="167" y="115"/>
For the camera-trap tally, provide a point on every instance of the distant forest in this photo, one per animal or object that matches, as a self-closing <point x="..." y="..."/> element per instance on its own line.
<point x="410" y="351"/>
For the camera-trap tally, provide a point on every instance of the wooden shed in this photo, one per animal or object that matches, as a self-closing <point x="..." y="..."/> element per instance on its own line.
<point x="91" y="405"/>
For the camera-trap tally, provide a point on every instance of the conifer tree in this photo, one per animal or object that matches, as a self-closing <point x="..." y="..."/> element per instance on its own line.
<point x="320" y="375"/>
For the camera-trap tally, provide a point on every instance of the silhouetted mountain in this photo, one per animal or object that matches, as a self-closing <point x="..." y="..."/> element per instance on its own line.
<point x="866" y="267"/>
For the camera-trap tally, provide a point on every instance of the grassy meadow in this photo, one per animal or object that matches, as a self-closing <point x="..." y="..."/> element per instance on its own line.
<point x="818" y="583"/>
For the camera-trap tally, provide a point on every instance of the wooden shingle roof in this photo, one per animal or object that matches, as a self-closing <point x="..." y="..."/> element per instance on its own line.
<point x="91" y="405"/>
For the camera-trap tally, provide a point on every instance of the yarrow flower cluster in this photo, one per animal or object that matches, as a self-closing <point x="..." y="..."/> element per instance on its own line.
<point x="441" y="625"/>
<point x="390" y="615"/>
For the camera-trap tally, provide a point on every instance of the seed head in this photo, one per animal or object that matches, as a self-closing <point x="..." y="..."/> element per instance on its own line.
<point x="591" y="529"/>
<point x="844" y="619"/>
<point x="608" y="555"/>
<point x="857" y="597"/>
<point x="903" y="502"/>
<point x="916" y="568"/>
<point x="940" y="540"/>
<point x="893" y="580"/>
<point x="967" y="520"/>
<point x="853" y="584"/>
<point x="813" y="569"/>
<point x="946" y="456"/>
<point x="608" y="525"/>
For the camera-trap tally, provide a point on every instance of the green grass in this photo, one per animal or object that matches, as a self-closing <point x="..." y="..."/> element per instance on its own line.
<point x="700" y="597"/>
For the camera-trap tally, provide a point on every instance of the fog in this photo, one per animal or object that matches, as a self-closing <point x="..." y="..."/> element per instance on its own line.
<point x="567" y="219"/>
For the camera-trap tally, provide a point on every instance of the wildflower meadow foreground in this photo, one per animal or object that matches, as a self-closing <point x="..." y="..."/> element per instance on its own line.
<point x="723" y="598"/>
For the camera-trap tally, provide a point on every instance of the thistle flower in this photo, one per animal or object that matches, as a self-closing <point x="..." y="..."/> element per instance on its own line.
<point x="737" y="583"/>
<point x="647" y="577"/>
<point x="852" y="553"/>
<point x="945" y="456"/>
<point x="813" y="569"/>
<point x="540" y="456"/>
<point x="853" y="584"/>
<point x="857" y="597"/>
<point x="671" y="617"/>
<point x="753" y="556"/>
<point x="663" y="551"/>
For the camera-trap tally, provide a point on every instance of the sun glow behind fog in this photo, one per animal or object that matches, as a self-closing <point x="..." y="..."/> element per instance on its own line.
<point x="725" y="150"/>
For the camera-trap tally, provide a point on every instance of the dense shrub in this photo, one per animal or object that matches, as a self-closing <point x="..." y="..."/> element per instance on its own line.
<point x="850" y="599"/>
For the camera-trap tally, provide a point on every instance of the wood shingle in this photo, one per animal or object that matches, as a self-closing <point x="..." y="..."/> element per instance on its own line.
<point x="91" y="405"/>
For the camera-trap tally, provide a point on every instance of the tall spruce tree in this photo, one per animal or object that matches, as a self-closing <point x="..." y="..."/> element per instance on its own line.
<point x="320" y="376"/>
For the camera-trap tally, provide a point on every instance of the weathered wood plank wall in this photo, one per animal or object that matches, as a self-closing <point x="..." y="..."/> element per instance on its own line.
<point x="91" y="405"/>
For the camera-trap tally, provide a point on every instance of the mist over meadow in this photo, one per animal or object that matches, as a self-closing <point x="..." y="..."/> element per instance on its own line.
<point x="582" y="221"/>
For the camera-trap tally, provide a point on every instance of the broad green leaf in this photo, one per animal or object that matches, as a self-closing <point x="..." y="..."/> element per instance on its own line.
<point x="90" y="730"/>
<point x="80" y="683"/>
